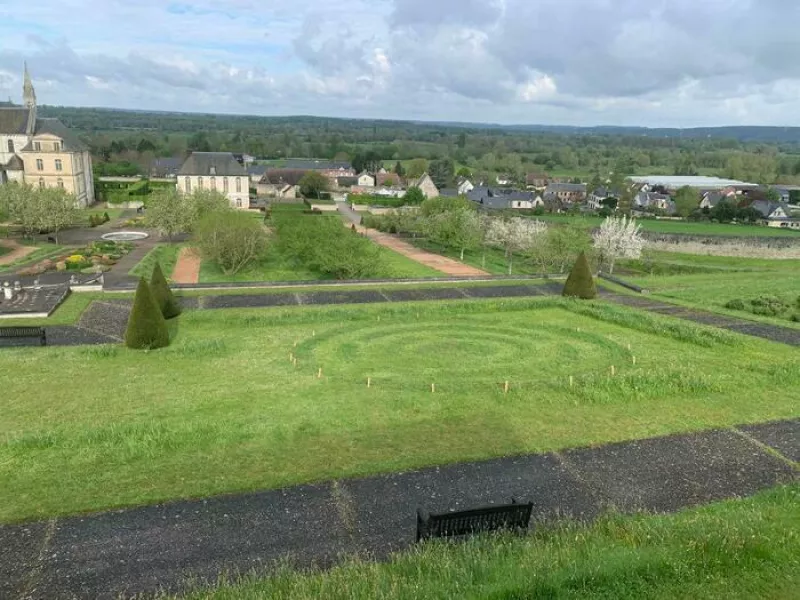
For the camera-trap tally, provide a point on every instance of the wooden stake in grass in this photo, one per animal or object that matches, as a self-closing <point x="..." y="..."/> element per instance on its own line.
<point x="433" y="388"/>
<point x="634" y="359"/>
<point x="319" y="373"/>
<point x="369" y="381"/>
<point x="613" y="370"/>
<point x="291" y="357"/>
<point x="571" y="381"/>
<point x="505" y="388"/>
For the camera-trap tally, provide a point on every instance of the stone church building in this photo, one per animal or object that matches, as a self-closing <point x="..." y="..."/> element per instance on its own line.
<point x="42" y="152"/>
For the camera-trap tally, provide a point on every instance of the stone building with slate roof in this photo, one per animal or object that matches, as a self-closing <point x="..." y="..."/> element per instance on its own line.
<point x="218" y="171"/>
<point x="42" y="152"/>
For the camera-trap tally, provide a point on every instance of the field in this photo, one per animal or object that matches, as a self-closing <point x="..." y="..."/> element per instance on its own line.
<point x="685" y="227"/>
<point x="739" y="549"/>
<point x="223" y="409"/>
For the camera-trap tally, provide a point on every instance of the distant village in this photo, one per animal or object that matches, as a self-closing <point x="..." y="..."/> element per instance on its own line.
<point x="649" y="196"/>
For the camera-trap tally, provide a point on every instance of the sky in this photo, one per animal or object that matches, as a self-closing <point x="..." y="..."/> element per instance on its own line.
<point x="673" y="63"/>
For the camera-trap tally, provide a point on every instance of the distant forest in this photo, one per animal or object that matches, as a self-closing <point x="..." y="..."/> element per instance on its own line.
<point x="127" y="141"/>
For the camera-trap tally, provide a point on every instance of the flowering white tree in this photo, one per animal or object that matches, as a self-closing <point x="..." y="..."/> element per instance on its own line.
<point x="618" y="237"/>
<point x="514" y="235"/>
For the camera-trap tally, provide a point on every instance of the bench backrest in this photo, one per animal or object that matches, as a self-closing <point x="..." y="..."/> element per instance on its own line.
<point x="467" y="522"/>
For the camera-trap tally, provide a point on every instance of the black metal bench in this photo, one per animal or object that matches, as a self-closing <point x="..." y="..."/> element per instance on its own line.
<point x="36" y="333"/>
<point x="467" y="522"/>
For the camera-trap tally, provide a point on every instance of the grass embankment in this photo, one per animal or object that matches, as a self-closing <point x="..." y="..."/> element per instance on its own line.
<point x="740" y="549"/>
<point x="42" y="251"/>
<point x="199" y="418"/>
<point x="165" y="254"/>
<point x="710" y="282"/>
<point x="682" y="227"/>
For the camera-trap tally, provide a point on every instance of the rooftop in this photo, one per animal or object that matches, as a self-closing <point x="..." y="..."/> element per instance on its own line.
<point x="679" y="181"/>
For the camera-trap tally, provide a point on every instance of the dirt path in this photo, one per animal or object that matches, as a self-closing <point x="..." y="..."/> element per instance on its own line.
<point x="187" y="267"/>
<point x="17" y="252"/>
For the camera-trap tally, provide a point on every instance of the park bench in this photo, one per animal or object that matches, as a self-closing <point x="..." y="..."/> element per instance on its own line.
<point x="514" y="516"/>
<point x="23" y="333"/>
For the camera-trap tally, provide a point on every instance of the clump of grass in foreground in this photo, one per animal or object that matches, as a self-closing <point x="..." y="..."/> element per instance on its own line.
<point x="735" y="549"/>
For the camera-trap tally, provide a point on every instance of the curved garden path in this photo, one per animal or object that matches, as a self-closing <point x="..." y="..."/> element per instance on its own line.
<point x="187" y="267"/>
<point x="17" y="251"/>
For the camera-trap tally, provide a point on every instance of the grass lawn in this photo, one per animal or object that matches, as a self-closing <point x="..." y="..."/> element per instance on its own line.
<point x="4" y="250"/>
<point x="495" y="261"/>
<point x="711" y="281"/>
<point x="686" y="227"/>
<point x="737" y="549"/>
<point x="276" y="266"/>
<point x="166" y="254"/>
<point x="223" y="409"/>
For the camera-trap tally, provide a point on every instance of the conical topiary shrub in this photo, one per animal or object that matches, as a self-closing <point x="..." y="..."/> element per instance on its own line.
<point x="580" y="283"/>
<point x="147" y="328"/>
<point x="163" y="294"/>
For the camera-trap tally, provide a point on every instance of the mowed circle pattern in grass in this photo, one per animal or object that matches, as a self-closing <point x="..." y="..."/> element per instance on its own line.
<point x="235" y="403"/>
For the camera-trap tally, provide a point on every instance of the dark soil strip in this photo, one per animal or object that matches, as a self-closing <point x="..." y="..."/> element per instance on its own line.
<point x="142" y="550"/>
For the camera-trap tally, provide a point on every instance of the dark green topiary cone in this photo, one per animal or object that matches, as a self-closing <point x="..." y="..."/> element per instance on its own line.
<point x="163" y="294"/>
<point x="147" y="328"/>
<point x="580" y="283"/>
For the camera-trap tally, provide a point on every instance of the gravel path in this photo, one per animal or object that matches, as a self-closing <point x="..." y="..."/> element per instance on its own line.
<point x="181" y="544"/>
<point x="17" y="252"/>
<point x="187" y="267"/>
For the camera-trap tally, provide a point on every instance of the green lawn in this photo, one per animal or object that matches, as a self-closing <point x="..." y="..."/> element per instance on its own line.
<point x="686" y="227"/>
<point x="493" y="261"/>
<point x="165" y="254"/>
<point x="711" y="281"/>
<point x="276" y="266"/>
<point x="737" y="549"/>
<point x="223" y="409"/>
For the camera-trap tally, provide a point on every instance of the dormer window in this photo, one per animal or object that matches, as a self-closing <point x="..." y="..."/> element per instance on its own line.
<point x="213" y="170"/>
<point x="57" y="146"/>
<point x="37" y="146"/>
<point x="11" y="146"/>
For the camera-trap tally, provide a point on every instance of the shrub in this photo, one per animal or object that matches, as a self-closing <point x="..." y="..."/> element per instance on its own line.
<point x="106" y="218"/>
<point x="147" y="328"/>
<point x="231" y="239"/>
<point x="169" y="306"/>
<point x="795" y="318"/>
<point x="735" y="304"/>
<point x="768" y="305"/>
<point x="580" y="283"/>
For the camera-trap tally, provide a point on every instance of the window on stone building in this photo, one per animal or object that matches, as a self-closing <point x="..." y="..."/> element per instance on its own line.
<point x="188" y="185"/>
<point x="11" y="146"/>
<point x="214" y="183"/>
<point x="37" y="146"/>
<point x="41" y="182"/>
<point x="238" y="184"/>
<point x="225" y="184"/>
<point x="57" y="146"/>
<point x="39" y="164"/>
<point x="60" y="182"/>
<point x="58" y="164"/>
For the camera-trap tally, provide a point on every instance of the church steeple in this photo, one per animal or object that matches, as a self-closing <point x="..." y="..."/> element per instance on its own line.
<point x="29" y="99"/>
<point x="28" y="94"/>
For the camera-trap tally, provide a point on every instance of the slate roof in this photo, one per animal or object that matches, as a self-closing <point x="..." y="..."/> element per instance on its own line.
<point x="14" y="120"/>
<point x="498" y="198"/>
<point x="257" y="170"/>
<point x="767" y="207"/>
<point x="200" y="163"/>
<point x="162" y="167"/>
<point x="14" y="164"/>
<point x="70" y="142"/>
<point x="290" y="176"/>
<point x="346" y="181"/>
<point x="566" y="187"/>
<point x="449" y="192"/>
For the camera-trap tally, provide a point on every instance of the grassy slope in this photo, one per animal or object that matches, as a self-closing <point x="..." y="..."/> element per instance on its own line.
<point x="663" y="226"/>
<point x="495" y="262"/>
<point x="738" y="549"/>
<point x="200" y="417"/>
<point x="166" y="254"/>
<point x="724" y="279"/>
<point x="42" y="251"/>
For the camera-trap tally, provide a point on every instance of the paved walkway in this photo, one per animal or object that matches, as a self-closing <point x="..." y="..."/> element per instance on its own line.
<point x="445" y="265"/>
<point x="119" y="272"/>
<point x="172" y="546"/>
<point x="17" y="252"/>
<point x="187" y="267"/>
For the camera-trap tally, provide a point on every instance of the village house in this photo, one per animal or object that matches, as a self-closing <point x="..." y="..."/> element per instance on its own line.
<point x="425" y="183"/>
<point x="365" y="180"/>
<point x="464" y="186"/>
<point x="42" y="152"/>
<point x="775" y="214"/>
<point x="216" y="171"/>
<point x="537" y="180"/>
<point x="653" y="201"/>
<point x="504" y="199"/>
<point x="566" y="192"/>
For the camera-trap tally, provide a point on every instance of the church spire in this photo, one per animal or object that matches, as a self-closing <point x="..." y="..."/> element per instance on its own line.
<point x="28" y="94"/>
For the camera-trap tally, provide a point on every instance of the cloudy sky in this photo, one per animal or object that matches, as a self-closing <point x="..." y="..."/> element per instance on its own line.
<point x="576" y="62"/>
